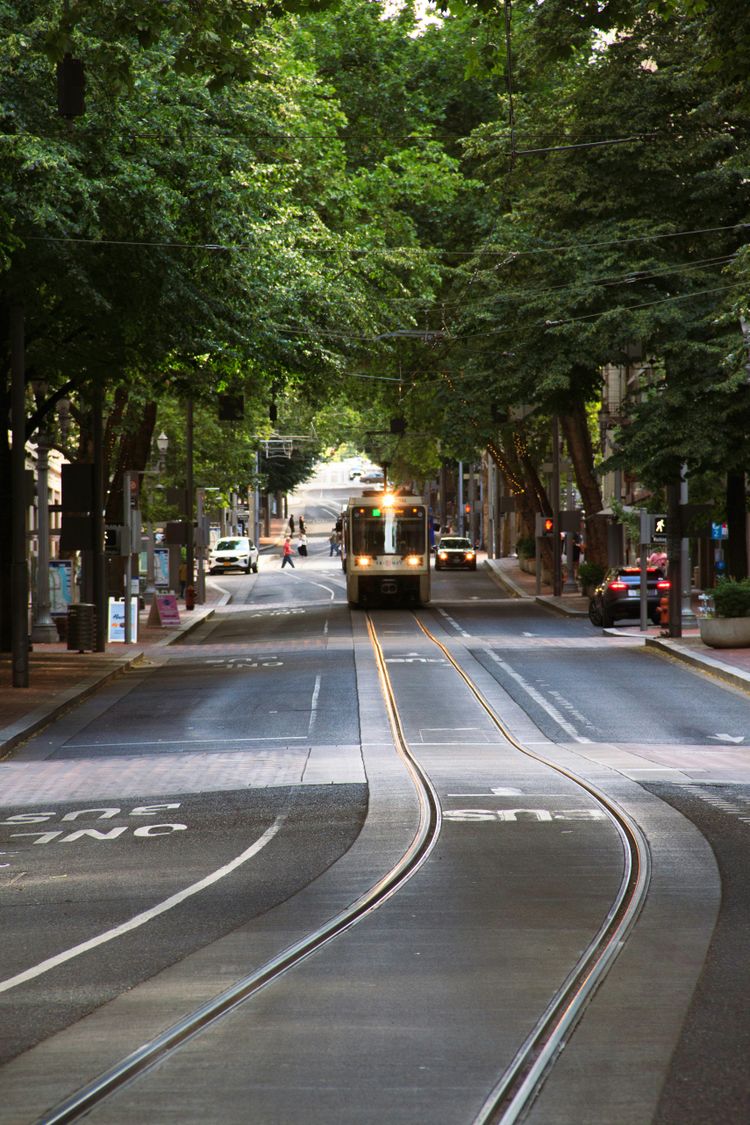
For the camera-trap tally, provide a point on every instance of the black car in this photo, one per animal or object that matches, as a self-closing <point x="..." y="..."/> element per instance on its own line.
<point x="455" y="552"/>
<point x="619" y="595"/>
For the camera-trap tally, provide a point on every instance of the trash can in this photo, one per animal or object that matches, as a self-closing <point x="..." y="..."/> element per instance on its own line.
<point x="81" y="627"/>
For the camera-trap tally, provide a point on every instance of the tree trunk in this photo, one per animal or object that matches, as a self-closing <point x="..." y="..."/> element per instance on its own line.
<point x="578" y="439"/>
<point x="736" y="550"/>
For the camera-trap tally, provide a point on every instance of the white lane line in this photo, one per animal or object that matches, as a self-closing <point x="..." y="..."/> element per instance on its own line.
<point x="187" y="741"/>
<point x="314" y="705"/>
<point x="145" y="916"/>
<point x="327" y="589"/>
<point x="455" y="624"/>
<point x="539" y="698"/>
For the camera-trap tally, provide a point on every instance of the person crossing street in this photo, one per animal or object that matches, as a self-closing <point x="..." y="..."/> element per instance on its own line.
<point x="286" y="553"/>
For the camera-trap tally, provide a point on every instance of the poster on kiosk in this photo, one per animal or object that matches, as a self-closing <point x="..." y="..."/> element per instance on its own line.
<point x="116" y="629"/>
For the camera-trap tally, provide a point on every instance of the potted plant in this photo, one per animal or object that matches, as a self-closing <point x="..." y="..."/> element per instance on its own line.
<point x="590" y="574"/>
<point x="729" y="624"/>
<point x="526" y="551"/>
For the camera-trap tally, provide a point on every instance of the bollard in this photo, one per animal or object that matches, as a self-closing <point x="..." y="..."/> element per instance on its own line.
<point x="664" y="613"/>
<point x="190" y="597"/>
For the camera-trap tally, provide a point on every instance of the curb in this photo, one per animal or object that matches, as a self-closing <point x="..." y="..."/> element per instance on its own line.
<point x="549" y="602"/>
<point x="503" y="581"/>
<point x="734" y="676"/>
<point x="35" y="721"/>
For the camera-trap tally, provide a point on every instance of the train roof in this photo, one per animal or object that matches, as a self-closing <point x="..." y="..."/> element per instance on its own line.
<point x="375" y="500"/>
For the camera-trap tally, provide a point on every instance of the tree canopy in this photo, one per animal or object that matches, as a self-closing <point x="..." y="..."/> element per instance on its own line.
<point x="361" y="215"/>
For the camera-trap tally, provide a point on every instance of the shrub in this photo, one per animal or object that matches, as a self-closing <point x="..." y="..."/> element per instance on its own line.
<point x="591" y="573"/>
<point x="526" y="546"/>
<point x="732" y="598"/>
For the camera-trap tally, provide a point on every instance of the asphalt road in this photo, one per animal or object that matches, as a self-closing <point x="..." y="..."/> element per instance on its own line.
<point x="196" y="815"/>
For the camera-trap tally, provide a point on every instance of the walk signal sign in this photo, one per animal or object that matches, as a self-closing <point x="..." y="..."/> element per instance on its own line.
<point x="545" y="525"/>
<point x="658" y="529"/>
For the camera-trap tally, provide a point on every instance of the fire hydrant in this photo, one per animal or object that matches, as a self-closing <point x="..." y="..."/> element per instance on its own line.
<point x="664" y="611"/>
<point x="190" y="597"/>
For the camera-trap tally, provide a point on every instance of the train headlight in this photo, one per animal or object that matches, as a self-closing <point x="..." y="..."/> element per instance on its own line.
<point x="413" y="560"/>
<point x="363" y="560"/>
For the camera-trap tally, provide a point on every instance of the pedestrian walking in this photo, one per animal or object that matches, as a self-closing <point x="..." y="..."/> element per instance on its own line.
<point x="291" y="525"/>
<point x="332" y="539"/>
<point x="302" y="544"/>
<point x="302" y="525"/>
<point x="286" y="554"/>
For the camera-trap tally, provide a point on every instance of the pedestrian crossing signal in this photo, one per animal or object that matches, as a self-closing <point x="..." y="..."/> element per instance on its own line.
<point x="659" y="529"/>
<point x="548" y="525"/>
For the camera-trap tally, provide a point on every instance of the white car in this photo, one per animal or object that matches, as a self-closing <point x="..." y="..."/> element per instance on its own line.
<point x="235" y="552"/>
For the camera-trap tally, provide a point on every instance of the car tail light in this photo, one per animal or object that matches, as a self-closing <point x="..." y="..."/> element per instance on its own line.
<point x="618" y="586"/>
<point x="664" y="584"/>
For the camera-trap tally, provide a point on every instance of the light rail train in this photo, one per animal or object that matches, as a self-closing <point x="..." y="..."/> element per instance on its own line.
<point x="385" y="550"/>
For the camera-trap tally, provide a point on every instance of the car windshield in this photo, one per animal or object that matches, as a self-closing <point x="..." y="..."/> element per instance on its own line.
<point x="229" y="544"/>
<point x="455" y="544"/>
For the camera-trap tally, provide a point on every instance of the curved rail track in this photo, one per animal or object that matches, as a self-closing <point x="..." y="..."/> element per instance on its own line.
<point x="518" y="1086"/>
<point x="520" y="1082"/>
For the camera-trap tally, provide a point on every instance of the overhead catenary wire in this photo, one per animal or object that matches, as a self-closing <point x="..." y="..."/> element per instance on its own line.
<point x="486" y="249"/>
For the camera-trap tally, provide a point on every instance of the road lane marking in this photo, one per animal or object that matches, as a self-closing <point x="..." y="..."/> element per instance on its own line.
<point x="327" y="589"/>
<point x="146" y="915"/>
<point x="186" y="741"/>
<point x="539" y="698"/>
<point x="455" y="624"/>
<point x="314" y="705"/>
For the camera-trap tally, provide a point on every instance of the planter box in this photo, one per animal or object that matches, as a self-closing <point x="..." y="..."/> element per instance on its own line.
<point x="526" y="564"/>
<point x="725" y="632"/>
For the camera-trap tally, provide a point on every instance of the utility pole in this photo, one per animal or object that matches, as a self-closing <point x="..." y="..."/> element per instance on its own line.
<point x="19" y="566"/>
<point x="556" y="556"/>
<point x="189" y="489"/>
<point x="98" y="558"/>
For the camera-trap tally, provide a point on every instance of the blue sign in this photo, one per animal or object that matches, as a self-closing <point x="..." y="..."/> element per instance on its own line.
<point x="719" y="531"/>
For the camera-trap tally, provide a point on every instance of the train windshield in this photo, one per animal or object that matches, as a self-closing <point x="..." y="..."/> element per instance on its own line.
<point x="388" y="530"/>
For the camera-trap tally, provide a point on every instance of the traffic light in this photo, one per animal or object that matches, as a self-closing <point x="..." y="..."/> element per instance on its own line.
<point x="467" y="508"/>
<point x="548" y="525"/>
<point x="113" y="539"/>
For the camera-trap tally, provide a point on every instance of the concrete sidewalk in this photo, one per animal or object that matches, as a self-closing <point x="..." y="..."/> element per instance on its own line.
<point x="58" y="677"/>
<point x="729" y="664"/>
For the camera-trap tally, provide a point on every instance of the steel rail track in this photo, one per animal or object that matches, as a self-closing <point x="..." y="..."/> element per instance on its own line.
<point x="150" y="1053"/>
<point x="513" y="1094"/>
